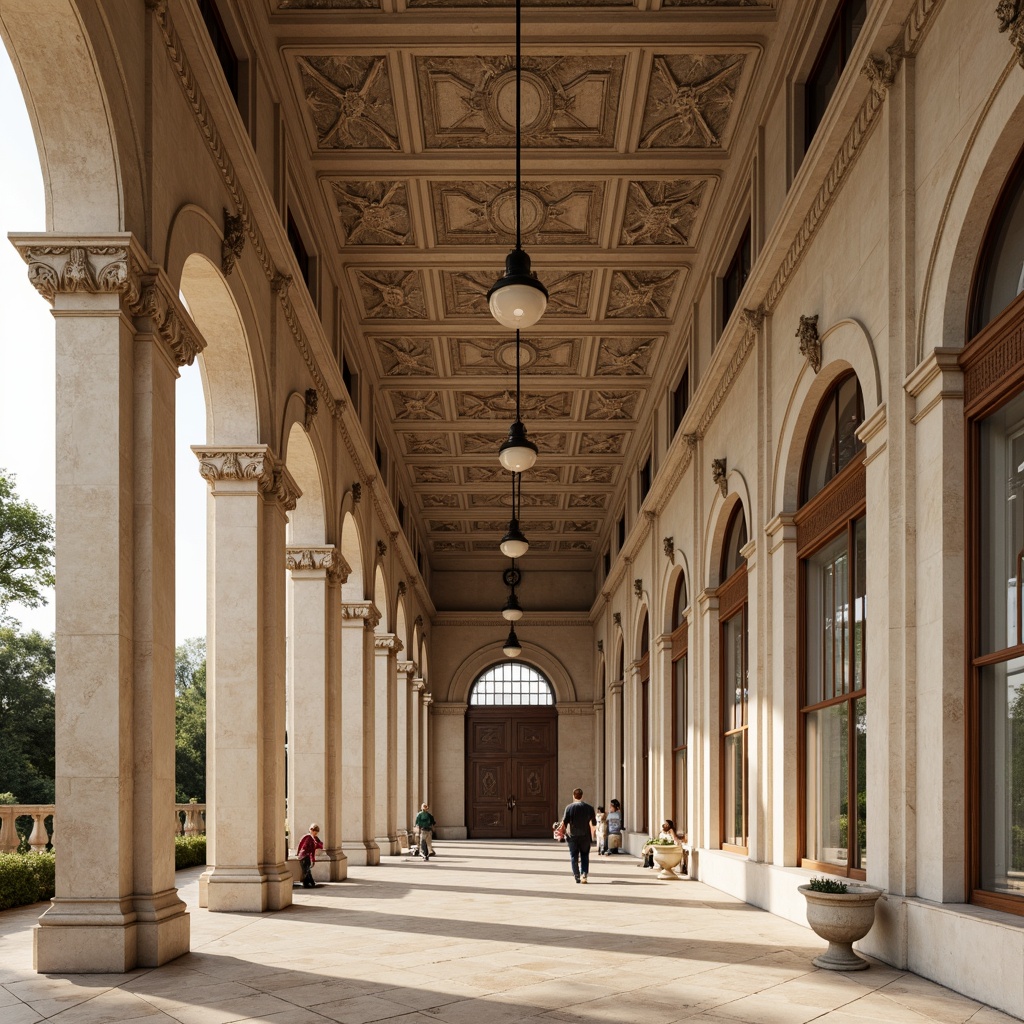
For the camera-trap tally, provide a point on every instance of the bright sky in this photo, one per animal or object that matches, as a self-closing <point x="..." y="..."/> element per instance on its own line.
<point x="27" y="399"/>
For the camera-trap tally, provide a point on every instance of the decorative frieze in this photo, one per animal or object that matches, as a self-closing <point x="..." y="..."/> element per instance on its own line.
<point x="310" y="558"/>
<point x="810" y="343"/>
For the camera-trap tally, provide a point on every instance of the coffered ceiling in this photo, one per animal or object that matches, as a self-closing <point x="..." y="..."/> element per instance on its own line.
<point x="631" y="113"/>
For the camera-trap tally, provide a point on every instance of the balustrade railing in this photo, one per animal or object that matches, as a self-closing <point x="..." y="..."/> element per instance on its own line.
<point x="189" y="820"/>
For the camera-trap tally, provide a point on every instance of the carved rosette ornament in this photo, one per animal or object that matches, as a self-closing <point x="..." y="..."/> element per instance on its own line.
<point x="810" y="343"/>
<point x="1011" y="19"/>
<point x="668" y="545"/>
<point x="719" y="472"/>
<point x="234" y="242"/>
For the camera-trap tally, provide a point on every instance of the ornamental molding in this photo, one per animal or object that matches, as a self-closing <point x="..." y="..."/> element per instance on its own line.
<point x="810" y="343"/>
<point x="254" y="462"/>
<point x="725" y="384"/>
<point x="446" y="709"/>
<point x="310" y="558"/>
<point x="353" y="611"/>
<point x="388" y="643"/>
<point x="574" y="710"/>
<point x="1011" y="19"/>
<point x="234" y="242"/>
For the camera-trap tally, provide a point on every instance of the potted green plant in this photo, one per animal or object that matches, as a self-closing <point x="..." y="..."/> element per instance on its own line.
<point x="841" y="913"/>
<point x="667" y="854"/>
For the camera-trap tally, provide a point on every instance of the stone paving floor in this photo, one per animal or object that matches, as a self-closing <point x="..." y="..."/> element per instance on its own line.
<point x="491" y="932"/>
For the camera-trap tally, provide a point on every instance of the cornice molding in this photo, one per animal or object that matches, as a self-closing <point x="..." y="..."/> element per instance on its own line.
<point x="446" y="709"/>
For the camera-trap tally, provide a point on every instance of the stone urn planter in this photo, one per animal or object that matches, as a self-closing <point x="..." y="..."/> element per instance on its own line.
<point x="841" y="919"/>
<point x="667" y="858"/>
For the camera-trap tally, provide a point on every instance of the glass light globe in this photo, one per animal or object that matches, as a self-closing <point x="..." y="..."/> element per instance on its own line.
<point x="517" y="453"/>
<point x="514" y="544"/>
<point x="512" y="612"/>
<point x="513" y="648"/>
<point x="517" y="299"/>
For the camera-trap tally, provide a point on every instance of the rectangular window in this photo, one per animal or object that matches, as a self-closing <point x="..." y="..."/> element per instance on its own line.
<point x="680" y="714"/>
<point x="299" y="249"/>
<point x="735" y="696"/>
<point x="680" y="400"/>
<point x="401" y="513"/>
<point x="222" y="45"/>
<point x="622" y="531"/>
<point x="380" y="456"/>
<point x="351" y="382"/>
<point x="645" y="479"/>
<point x="607" y="562"/>
<point x="736" y="276"/>
<point x="832" y="58"/>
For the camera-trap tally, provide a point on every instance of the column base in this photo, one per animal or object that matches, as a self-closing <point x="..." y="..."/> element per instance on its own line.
<point x="362" y="852"/>
<point x="279" y="885"/>
<point x="163" y="928"/>
<point x="245" y="890"/>
<point x="388" y="845"/>
<point x="86" y="936"/>
<point x="331" y="866"/>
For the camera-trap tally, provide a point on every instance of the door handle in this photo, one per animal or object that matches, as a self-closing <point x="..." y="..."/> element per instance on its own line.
<point x="512" y="802"/>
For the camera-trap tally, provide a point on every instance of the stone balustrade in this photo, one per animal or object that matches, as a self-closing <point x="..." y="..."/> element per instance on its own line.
<point x="189" y="820"/>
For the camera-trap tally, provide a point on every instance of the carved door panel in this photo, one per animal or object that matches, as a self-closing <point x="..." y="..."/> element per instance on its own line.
<point x="511" y="768"/>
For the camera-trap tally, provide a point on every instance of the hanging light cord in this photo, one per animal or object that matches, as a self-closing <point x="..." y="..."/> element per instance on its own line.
<point x="519" y="241"/>
<point x="518" y="416"/>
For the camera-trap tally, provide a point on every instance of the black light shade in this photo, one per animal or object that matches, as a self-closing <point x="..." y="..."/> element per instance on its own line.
<point x="512" y="612"/>
<point x="513" y="648"/>
<point x="517" y="299"/>
<point x="517" y="452"/>
<point x="514" y="544"/>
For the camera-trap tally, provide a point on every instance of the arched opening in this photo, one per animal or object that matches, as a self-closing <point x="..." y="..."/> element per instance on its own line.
<point x="680" y="706"/>
<point x="832" y="587"/>
<point x="511" y="753"/>
<point x="644" y="710"/>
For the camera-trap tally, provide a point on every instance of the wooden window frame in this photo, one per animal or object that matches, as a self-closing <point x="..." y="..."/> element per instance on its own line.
<point x="732" y="601"/>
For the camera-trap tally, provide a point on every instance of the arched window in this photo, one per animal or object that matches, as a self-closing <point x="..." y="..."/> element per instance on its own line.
<point x="680" y="706"/>
<point x="645" y="723"/>
<point x="511" y="682"/>
<point x="994" y="408"/>
<point x="732" y="618"/>
<point x="832" y="548"/>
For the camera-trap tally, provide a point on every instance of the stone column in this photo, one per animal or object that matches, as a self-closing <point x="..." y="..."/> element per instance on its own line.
<point x="358" y="619"/>
<point x="416" y="787"/>
<point x="937" y="387"/>
<point x="632" y="783"/>
<point x="337" y="576"/>
<point x="387" y="646"/>
<point x="614" y="717"/>
<point x="251" y="492"/>
<point x="120" y="334"/>
<point x="759" y="717"/>
<point x="425" y="749"/>
<point x="405" y="671"/>
<point x="308" y="698"/>
<point x="783" y="702"/>
<point x="708" y="724"/>
<point x="662" y="760"/>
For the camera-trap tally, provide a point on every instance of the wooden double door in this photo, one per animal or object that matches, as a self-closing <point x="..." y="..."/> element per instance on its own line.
<point x="511" y="772"/>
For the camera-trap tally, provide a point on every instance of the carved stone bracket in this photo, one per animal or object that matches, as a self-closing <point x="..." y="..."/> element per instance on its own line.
<point x="418" y="685"/>
<point x="810" y="343"/>
<point x="357" y="493"/>
<point x="617" y="618"/>
<point x="365" y="610"/>
<point x="382" y="549"/>
<point x="312" y="401"/>
<point x="406" y="667"/>
<point x="719" y="472"/>
<point x="600" y="645"/>
<point x="234" y="242"/>
<point x="339" y="570"/>
<point x="691" y="440"/>
<point x="881" y="70"/>
<point x="638" y="587"/>
<point x="1011" y="19"/>
<point x="164" y="320"/>
<point x="402" y="588"/>
<point x="668" y="545"/>
<point x="753" y="319"/>
<point x="310" y="558"/>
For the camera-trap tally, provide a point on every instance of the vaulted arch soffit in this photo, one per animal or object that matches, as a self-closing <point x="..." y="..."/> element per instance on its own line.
<point x="353" y="589"/>
<point x="380" y="600"/>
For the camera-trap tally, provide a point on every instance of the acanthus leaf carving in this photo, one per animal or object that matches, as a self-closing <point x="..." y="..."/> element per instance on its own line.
<point x="719" y="474"/>
<point x="1011" y="19"/>
<point x="810" y="343"/>
<point x="234" y="242"/>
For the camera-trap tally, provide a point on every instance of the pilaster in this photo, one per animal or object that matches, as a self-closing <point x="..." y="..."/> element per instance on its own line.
<point x="386" y="648"/>
<point x="759" y="717"/>
<point x="416" y="781"/>
<point x="708" y="723"/>
<point x="405" y="671"/>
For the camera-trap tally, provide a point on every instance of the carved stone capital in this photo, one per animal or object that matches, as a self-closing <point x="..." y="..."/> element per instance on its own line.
<point x="85" y="265"/>
<point x="406" y="667"/>
<point x="353" y="611"/>
<point x="283" y="489"/>
<point x="1011" y="19"/>
<point x="310" y="558"/>
<point x="153" y="310"/>
<point x="234" y="242"/>
<point x="719" y="472"/>
<point x="753" y="319"/>
<point x="418" y="685"/>
<point x="668" y="545"/>
<point x="339" y="570"/>
<point x="428" y="700"/>
<point x="880" y="70"/>
<point x="388" y="643"/>
<point x="254" y="462"/>
<point x="810" y="343"/>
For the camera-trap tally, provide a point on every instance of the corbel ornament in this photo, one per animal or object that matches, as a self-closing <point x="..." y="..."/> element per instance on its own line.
<point x="617" y="619"/>
<point x="234" y="242"/>
<point x="310" y="558"/>
<point x="283" y="489"/>
<point x="388" y="642"/>
<point x="357" y="493"/>
<point x="600" y="646"/>
<point x="312" y="401"/>
<point x="419" y="685"/>
<point x="402" y="588"/>
<point x="753" y="319"/>
<point x="339" y="570"/>
<point x="365" y="610"/>
<point x="382" y="549"/>
<point x="458" y="709"/>
<point x="1011" y="19"/>
<point x="668" y="545"/>
<point x="638" y="587"/>
<point x="719" y="472"/>
<point x="880" y="70"/>
<point x="690" y="440"/>
<point x="152" y="305"/>
<point x="810" y="343"/>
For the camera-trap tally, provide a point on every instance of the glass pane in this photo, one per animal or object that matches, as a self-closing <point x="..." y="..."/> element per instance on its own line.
<point x="733" y="826"/>
<point x="849" y="419"/>
<point x="734" y="690"/>
<point x="679" y="704"/>
<point x="859" y="857"/>
<point x="1002" y="777"/>
<point x="827" y="774"/>
<point x="679" y="782"/>
<point x="860" y="601"/>
<point x="1002" y="523"/>
<point x="1003" y="277"/>
<point x="736" y="539"/>
<point x="511" y="682"/>
<point x="827" y="621"/>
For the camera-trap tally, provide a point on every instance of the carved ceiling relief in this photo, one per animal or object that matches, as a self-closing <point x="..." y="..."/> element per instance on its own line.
<point x="440" y="500"/>
<point x="391" y="294"/>
<point x="326" y="5"/>
<point x="587" y="500"/>
<point x="642" y="294"/>
<point x="580" y="526"/>
<point x="444" y="526"/>
<point x="503" y="500"/>
<point x="465" y="292"/>
<point x="373" y="212"/>
<point x="536" y="356"/>
<point x="484" y="213"/>
<point x="594" y="475"/>
<point x="662" y="212"/>
<point x="527" y="3"/>
<point x="624" y="357"/>
<point x="433" y="475"/>
<point x="406" y="357"/>
<point x="690" y="100"/>
<point x="426" y="444"/>
<point x="601" y="444"/>
<point x="575" y="545"/>
<point x="499" y="475"/>
<point x="612" y="405"/>
<point x="417" y="405"/>
<point x="349" y="100"/>
<point x="502" y="405"/>
<point x="469" y="102"/>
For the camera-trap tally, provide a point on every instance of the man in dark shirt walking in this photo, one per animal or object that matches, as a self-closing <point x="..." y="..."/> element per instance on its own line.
<point x="578" y="818"/>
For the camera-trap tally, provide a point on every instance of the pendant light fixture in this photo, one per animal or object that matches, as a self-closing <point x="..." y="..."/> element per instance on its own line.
<point x="513" y="648"/>
<point x="512" y="612"/>
<point x="518" y="299"/>
<point x="514" y="544"/>
<point x="517" y="453"/>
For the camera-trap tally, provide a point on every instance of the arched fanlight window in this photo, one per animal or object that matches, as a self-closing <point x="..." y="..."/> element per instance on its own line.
<point x="834" y="436"/>
<point x="511" y="683"/>
<point x="999" y="276"/>
<point x="680" y="602"/>
<point x="735" y="541"/>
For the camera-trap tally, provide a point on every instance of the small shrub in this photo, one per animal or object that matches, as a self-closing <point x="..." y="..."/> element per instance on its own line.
<point x="25" y="878"/>
<point x="189" y="851"/>
<point x="826" y="885"/>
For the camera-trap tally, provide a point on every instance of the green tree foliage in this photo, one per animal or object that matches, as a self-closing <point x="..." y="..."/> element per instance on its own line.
<point x="190" y="720"/>
<point x="27" y="724"/>
<point x="26" y="549"/>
